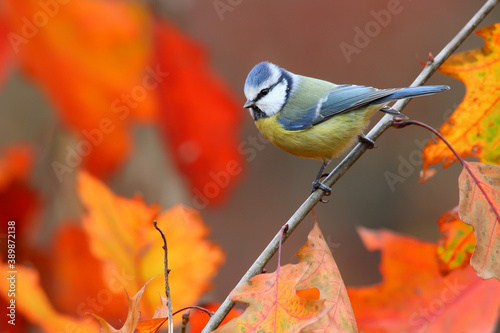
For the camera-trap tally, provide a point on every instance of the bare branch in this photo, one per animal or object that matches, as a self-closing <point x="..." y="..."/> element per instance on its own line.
<point x="167" y="286"/>
<point x="348" y="161"/>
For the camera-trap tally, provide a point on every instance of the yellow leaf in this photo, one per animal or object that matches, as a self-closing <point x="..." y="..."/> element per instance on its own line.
<point x="31" y="301"/>
<point x="122" y="236"/>
<point x="473" y="128"/>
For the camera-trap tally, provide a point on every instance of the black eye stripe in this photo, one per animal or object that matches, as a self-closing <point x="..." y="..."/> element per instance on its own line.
<point x="265" y="91"/>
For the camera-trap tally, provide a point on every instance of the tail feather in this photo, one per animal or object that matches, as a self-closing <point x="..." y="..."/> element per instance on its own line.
<point x="412" y="92"/>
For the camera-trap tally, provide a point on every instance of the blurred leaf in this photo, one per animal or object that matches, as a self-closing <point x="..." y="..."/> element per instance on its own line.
<point x="6" y="52"/>
<point x="324" y="275"/>
<point x="473" y="128"/>
<point x="91" y="57"/>
<point x="18" y="200"/>
<point x="78" y="291"/>
<point x="415" y="297"/>
<point x="133" y="315"/>
<point x="479" y="186"/>
<point x="123" y="238"/>
<point x="199" y="116"/>
<point x="15" y="165"/>
<point x="456" y="244"/>
<point x="32" y="303"/>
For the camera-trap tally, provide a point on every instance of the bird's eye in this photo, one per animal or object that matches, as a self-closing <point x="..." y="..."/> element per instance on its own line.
<point x="264" y="92"/>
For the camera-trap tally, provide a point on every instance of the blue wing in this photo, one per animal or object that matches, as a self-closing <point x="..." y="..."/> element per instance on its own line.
<point x="351" y="97"/>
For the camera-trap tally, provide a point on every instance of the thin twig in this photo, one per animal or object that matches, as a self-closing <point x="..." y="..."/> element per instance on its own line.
<point x="348" y="161"/>
<point x="167" y="287"/>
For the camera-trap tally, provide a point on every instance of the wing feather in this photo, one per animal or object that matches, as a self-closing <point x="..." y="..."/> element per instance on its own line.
<point x="343" y="99"/>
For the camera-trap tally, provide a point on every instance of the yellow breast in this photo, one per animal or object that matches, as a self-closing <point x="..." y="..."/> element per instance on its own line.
<point x="323" y="141"/>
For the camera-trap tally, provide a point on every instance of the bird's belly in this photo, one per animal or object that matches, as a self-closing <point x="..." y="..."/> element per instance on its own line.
<point x="322" y="142"/>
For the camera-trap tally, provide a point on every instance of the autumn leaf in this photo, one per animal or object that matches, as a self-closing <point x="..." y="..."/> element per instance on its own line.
<point x="150" y="325"/>
<point x="73" y="277"/>
<point x="91" y="58"/>
<point x="273" y="305"/>
<point x="456" y="244"/>
<point x="133" y="315"/>
<point x="472" y="129"/>
<point x="479" y="186"/>
<point x="199" y="117"/>
<point x="307" y="297"/>
<point x="33" y="304"/>
<point x="324" y="275"/>
<point x="415" y="297"/>
<point x="122" y="237"/>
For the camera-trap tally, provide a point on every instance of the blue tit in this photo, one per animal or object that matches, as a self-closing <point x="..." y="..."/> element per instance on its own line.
<point x="316" y="119"/>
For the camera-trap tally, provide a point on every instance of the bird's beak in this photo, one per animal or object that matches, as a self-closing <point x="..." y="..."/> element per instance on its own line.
<point x="248" y="104"/>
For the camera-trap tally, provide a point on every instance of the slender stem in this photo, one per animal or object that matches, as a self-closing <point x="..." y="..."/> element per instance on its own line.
<point x="194" y="307"/>
<point x="167" y="286"/>
<point x="348" y="161"/>
<point x="403" y="123"/>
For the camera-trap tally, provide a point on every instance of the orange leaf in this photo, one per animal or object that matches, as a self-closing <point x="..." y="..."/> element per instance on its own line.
<point x="199" y="319"/>
<point x="200" y="118"/>
<point x="91" y="58"/>
<point x="31" y="301"/>
<point x="150" y="325"/>
<point x="479" y="186"/>
<point x="324" y="275"/>
<point x="133" y="315"/>
<point x="123" y="238"/>
<point x="78" y="291"/>
<point x="472" y="129"/>
<point x="273" y="305"/>
<point x="456" y="244"/>
<point x="415" y="297"/>
<point x="310" y="294"/>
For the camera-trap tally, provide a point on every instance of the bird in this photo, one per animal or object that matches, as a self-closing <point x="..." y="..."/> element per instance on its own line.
<point x="317" y="119"/>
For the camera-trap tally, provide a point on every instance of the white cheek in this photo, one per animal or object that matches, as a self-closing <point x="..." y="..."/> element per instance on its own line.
<point x="274" y="101"/>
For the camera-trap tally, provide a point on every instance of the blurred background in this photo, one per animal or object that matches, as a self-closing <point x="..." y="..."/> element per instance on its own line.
<point x="321" y="39"/>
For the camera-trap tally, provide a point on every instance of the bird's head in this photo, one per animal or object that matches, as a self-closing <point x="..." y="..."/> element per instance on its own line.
<point x="267" y="89"/>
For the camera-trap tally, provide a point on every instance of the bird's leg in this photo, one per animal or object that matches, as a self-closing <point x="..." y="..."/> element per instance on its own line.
<point x="364" y="139"/>
<point x="319" y="185"/>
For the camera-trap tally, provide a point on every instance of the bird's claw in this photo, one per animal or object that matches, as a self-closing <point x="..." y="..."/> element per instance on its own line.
<point x="318" y="185"/>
